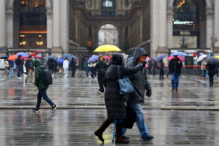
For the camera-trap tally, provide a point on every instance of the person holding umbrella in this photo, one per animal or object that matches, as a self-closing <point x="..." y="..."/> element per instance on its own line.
<point x="11" y="66"/>
<point x="19" y="66"/>
<point x="212" y="69"/>
<point x="161" y="69"/>
<point x="73" y="67"/>
<point x="175" y="66"/>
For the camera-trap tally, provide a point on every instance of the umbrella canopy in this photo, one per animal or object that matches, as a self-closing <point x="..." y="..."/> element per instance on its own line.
<point x="217" y="57"/>
<point x="147" y="59"/>
<point x="200" y="58"/>
<point x="22" y="54"/>
<point x="52" y="57"/>
<point x="23" y="58"/>
<point x="107" y="57"/>
<point x="4" y="56"/>
<point x="107" y="48"/>
<point x="60" y="60"/>
<point x="154" y="59"/>
<point x="161" y="57"/>
<point x="212" y="60"/>
<point x="39" y="57"/>
<point x="66" y="56"/>
<point x="12" y="57"/>
<point x="178" y="54"/>
<point x="93" y="58"/>
<point x="180" y="58"/>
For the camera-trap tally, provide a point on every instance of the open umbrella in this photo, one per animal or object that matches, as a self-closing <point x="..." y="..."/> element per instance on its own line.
<point x="212" y="60"/>
<point x="178" y="54"/>
<point x="4" y="56"/>
<point x="200" y="58"/>
<point x="107" y="48"/>
<point x="154" y="59"/>
<point x="52" y="57"/>
<point x="12" y="57"/>
<point x="107" y="57"/>
<point x="180" y="58"/>
<point x="60" y="60"/>
<point x="66" y="56"/>
<point x="161" y="57"/>
<point x="93" y="58"/>
<point x="39" y="57"/>
<point x="22" y="54"/>
<point x="23" y="58"/>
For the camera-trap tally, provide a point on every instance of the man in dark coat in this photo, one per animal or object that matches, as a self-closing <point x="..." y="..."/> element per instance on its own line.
<point x="50" y="65"/>
<point x="175" y="67"/>
<point x="101" y="69"/>
<point x="212" y="70"/>
<point x="73" y="67"/>
<point x="19" y="64"/>
<point x="135" y="99"/>
<point x="113" y="99"/>
<point x="55" y="65"/>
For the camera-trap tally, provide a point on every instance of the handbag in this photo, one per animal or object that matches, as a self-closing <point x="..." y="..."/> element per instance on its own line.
<point x="125" y="84"/>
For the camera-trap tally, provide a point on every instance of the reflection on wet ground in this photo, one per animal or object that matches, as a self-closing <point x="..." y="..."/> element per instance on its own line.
<point x="76" y="127"/>
<point x="79" y="91"/>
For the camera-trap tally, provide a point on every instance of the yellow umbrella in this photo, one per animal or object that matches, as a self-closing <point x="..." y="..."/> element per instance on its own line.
<point x="107" y="48"/>
<point x="217" y="57"/>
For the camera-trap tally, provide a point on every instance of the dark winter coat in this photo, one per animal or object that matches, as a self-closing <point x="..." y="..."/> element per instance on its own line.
<point x="114" y="101"/>
<point x="73" y="64"/>
<point x="27" y="65"/>
<point x="55" y="65"/>
<point x="19" y="61"/>
<point x="178" y="66"/>
<point x="50" y="62"/>
<point x="138" y="80"/>
<point x="101" y="67"/>
<point x="212" y="68"/>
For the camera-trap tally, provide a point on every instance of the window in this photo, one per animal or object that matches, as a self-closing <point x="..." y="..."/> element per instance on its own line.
<point x="107" y="3"/>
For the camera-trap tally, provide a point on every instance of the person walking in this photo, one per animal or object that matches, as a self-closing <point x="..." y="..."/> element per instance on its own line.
<point x="65" y="67"/>
<point x="161" y="69"/>
<point x="86" y="68"/>
<point x="60" y="68"/>
<point x="50" y="65"/>
<point x="175" y="66"/>
<point x="101" y="69"/>
<point x="203" y="67"/>
<point x="150" y="65"/>
<point x="19" y="64"/>
<point x="212" y="70"/>
<point x="42" y="88"/>
<point x="140" y="84"/>
<point x="55" y="65"/>
<point x="30" y="70"/>
<point x="11" y="66"/>
<point x="73" y="67"/>
<point x="154" y="63"/>
<point x="113" y="99"/>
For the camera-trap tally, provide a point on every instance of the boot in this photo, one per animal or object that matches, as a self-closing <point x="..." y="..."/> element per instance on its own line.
<point x="99" y="132"/>
<point x="119" y="137"/>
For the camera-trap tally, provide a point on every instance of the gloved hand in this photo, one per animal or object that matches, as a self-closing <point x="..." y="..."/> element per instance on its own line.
<point x="144" y="63"/>
<point x="148" y="93"/>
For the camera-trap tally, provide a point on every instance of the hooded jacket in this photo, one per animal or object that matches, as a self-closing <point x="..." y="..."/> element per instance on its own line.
<point x="101" y="67"/>
<point x="177" y="68"/>
<point x="212" y="68"/>
<point x="138" y="80"/>
<point x="38" y="75"/>
<point x="114" y="101"/>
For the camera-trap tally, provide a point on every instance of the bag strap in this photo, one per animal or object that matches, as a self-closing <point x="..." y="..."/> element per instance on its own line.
<point x="118" y="71"/>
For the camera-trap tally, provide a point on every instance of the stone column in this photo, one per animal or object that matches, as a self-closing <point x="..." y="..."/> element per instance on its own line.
<point x="216" y="27"/>
<point x="49" y="24"/>
<point x="209" y="26"/>
<point x="65" y="25"/>
<point x="56" y="48"/>
<point x="2" y="24"/>
<point x="169" y="28"/>
<point x="9" y="30"/>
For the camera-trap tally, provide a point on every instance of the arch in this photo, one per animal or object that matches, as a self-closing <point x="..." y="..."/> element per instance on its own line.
<point x="208" y="3"/>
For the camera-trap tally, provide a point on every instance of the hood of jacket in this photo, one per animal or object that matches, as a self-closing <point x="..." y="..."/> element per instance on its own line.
<point x="117" y="59"/>
<point x="139" y="52"/>
<point x="37" y="63"/>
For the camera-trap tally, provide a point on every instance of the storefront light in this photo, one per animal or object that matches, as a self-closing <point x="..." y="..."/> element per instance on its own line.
<point x="22" y="36"/>
<point x="39" y="43"/>
<point x="39" y="36"/>
<point x="23" y="43"/>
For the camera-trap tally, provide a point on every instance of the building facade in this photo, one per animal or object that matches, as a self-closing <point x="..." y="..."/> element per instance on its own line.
<point x="63" y="26"/>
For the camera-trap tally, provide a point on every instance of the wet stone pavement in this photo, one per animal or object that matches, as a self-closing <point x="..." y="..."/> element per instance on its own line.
<point x="189" y="117"/>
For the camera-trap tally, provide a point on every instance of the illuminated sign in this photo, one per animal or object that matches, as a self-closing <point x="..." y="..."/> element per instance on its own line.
<point x="182" y="22"/>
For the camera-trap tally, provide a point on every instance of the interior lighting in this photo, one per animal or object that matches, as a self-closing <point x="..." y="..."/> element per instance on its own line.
<point x="22" y="36"/>
<point x="39" y="43"/>
<point x="39" y="36"/>
<point x="23" y="43"/>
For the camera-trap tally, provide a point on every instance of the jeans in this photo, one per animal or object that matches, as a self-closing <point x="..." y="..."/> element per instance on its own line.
<point x="150" y="70"/>
<point x="86" y="71"/>
<point x="161" y="74"/>
<point x="139" y="120"/>
<point x="42" y="93"/>
<point x="66" y="71"/>
<point x="11" y="72"/>
<point x="100" y="81"/>
<point x="204" y="73"/>
<point x="175" y="80"/>
<point x="19" y="70"/>
<point x="73" y="72"/>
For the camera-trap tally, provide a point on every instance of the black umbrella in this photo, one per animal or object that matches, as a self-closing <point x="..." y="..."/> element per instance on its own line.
<point x="212" y="60"/>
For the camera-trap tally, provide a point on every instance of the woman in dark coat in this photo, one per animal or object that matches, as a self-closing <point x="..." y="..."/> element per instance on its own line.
<point x="212" y="70"/>
<point x="114" y="101"/>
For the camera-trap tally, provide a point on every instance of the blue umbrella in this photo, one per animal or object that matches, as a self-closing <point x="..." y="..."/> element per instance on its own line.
<point x="22" y="54"/>
<point x="161" y="57"/>
<point x="66" y="56"/>
<point x="60" y="60"/>
<point x="178" y="54"/>
<point x="4" y="56"/>
<point x="93" y="58"/>
<point x="52" y="57"/>
<point x="154" y="59"/>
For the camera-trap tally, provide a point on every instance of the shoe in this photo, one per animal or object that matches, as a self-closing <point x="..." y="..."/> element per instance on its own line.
<point x="172" y="89"/>
<point x="176" y="90"/>
<point x="20" y="78"/>
<point x="35" y="110"/>
<point x="99" y="132"/>
<point x="126" y="138"/>
<point x="30" y="82"/>
<point x="148" y="138"/>
<point x="17" y="77"/>
<point x="54" y="108"/>
<point x="119" y="137"/>
<point x="99" y="92"/>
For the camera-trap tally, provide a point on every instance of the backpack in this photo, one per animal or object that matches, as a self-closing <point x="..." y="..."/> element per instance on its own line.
<point x="46" y="76"/>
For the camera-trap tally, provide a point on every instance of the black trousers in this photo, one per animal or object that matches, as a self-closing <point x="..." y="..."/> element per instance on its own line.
<point x="73" y="72"/>
<point x="100" y="81"/>
<point x="154" y="71"/>
<point x="161" y="74"/>
<point x="211" y="79"/>
<point x="150" y="70"/>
